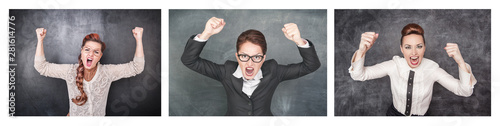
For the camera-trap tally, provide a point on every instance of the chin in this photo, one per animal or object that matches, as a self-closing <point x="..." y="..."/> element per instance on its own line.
<point x="88" y="68"/>
<point x="91" y="67"/>
<point x="248" y="78"/>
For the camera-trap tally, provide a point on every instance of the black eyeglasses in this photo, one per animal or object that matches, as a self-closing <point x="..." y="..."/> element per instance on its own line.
<point x="255" y="59"/>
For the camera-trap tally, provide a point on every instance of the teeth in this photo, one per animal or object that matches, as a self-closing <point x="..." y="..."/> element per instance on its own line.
<point x="414" y="57"/>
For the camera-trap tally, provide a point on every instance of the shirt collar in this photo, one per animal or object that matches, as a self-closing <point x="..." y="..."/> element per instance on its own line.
<point x="239" y="74"/>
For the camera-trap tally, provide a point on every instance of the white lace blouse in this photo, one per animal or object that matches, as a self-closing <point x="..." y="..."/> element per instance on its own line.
<point x="96" y="89"/>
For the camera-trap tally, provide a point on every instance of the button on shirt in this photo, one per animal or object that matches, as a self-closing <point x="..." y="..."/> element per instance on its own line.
<point x="426" y="74"/>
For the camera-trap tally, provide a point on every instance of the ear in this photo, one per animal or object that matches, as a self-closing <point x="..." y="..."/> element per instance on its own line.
<point x="264" y="59"/>
<point x="236" y="55"/>
<point x="401" y="47"/>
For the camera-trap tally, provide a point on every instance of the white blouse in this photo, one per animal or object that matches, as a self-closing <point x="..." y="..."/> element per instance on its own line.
<point x="96" y="89"/>
<point x="426" y="74"/>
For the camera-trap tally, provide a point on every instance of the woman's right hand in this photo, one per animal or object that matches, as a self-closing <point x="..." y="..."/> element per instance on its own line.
<point x="40" y="34"/>
<point x="367" y="40"/>
<point x="213" y="26"/>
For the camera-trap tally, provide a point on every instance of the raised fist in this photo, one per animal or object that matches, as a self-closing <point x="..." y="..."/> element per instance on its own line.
<point x="40" y="33"/>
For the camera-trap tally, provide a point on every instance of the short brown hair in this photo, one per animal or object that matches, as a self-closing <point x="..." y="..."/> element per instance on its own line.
<point x="252" y="36"/>
<point x="412" y="28"/>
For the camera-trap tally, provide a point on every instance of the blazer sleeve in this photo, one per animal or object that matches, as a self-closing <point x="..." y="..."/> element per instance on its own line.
<point x="309" y="64"/>
<point x="463" y="87"/>
<point x="359" y="72"/>
<point x="47" y="69"/>
<point x="191" y="59"/>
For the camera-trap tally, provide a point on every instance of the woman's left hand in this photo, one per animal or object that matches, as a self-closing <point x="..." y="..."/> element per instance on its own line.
<point x="453" y="51"/>
<point x="137" y="32"/>
<point x="291" y="31"/>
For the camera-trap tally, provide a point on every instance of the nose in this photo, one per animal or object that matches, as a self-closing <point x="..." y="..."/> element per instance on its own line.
<point x="90" y="54"/>
<point x="414" y="51"/>
<point x="250" y="62"/>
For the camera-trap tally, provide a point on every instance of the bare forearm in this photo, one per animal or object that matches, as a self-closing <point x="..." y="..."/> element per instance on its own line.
<point x="39" y="48"/>
<point x="139" y="51"/>
<point x="137" y="32"/>
<point x="40" y="35"/>
<point x="463" y="67"/>
<point x="358" y="55"/>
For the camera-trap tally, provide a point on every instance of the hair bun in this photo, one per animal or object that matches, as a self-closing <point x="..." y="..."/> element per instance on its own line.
<point x="412" y="28"/>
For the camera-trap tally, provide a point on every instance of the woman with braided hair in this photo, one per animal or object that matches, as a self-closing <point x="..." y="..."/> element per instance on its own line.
<point x="89" y="81"/>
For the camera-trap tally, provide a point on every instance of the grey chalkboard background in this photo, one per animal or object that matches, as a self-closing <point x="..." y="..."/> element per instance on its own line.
<point x="471" y="29"/>
<point x="191" y="93"/>
<point x="40" y="95"/>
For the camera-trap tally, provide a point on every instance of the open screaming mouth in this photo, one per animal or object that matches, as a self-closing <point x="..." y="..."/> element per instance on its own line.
<point x="414" y="60"/>
<point x="89" y="62"/>
<point x="249" y="71"/>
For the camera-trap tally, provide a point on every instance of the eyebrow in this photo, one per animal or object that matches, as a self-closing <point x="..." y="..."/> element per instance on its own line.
<point x="92" y="48"/>
<point x="258" y="54"/>
<point x="417" y="44"/>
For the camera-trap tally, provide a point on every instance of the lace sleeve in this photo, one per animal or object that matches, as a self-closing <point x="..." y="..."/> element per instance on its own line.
<point x="52" y="70"/>
<point x="118" y="71"/>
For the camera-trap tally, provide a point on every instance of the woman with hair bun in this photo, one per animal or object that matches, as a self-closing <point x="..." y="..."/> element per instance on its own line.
<point x="89" y="81"/>
<point x="412" y="76"/>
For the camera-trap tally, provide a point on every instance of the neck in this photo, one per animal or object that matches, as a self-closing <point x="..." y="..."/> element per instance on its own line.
<point x="88" y="74"/>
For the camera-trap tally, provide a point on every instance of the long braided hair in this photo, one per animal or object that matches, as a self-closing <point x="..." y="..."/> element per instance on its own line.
<point x="82" y="99"/>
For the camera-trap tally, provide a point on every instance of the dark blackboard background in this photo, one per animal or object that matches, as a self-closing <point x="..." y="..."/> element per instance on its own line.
<point x="471" y="29"/>
<point x="39" y="95"/>
<point x="191" y="93"/>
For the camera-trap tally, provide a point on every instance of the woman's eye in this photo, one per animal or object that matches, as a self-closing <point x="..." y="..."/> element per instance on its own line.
<point x="244" y="56"/>
<point x="96" y="52"/>
<point x="420" y="46"/>
<point x="407" y="47"/>
<point x="87" y="49"/>
<point x="257" y="57"/>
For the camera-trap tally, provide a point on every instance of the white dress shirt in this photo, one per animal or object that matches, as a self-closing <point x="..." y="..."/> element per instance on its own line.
<point x="249" y="85"/>
<point x="426" y="74"/>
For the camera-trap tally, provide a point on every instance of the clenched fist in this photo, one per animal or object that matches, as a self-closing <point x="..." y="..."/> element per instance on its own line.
<point x="137" y="32"/>
<point x="40" y="33"/>
<point x="453" y="51"/>
<point x="213" y="26"/>
<point x="291" y="31"/>
<point x="367" y="41"/>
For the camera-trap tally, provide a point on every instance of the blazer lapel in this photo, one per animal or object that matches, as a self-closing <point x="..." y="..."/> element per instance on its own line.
<point x="264" y="81"/>
<point x="237" y="84"/>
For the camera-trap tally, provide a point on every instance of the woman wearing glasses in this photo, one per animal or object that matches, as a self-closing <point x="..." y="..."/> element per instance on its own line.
<point x="249" y="88"/>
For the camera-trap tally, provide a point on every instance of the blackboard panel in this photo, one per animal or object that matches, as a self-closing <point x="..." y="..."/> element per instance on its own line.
<point x="470" y="29"/>
<point x="191" y="93"/>
<point x="39" y="95"/>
